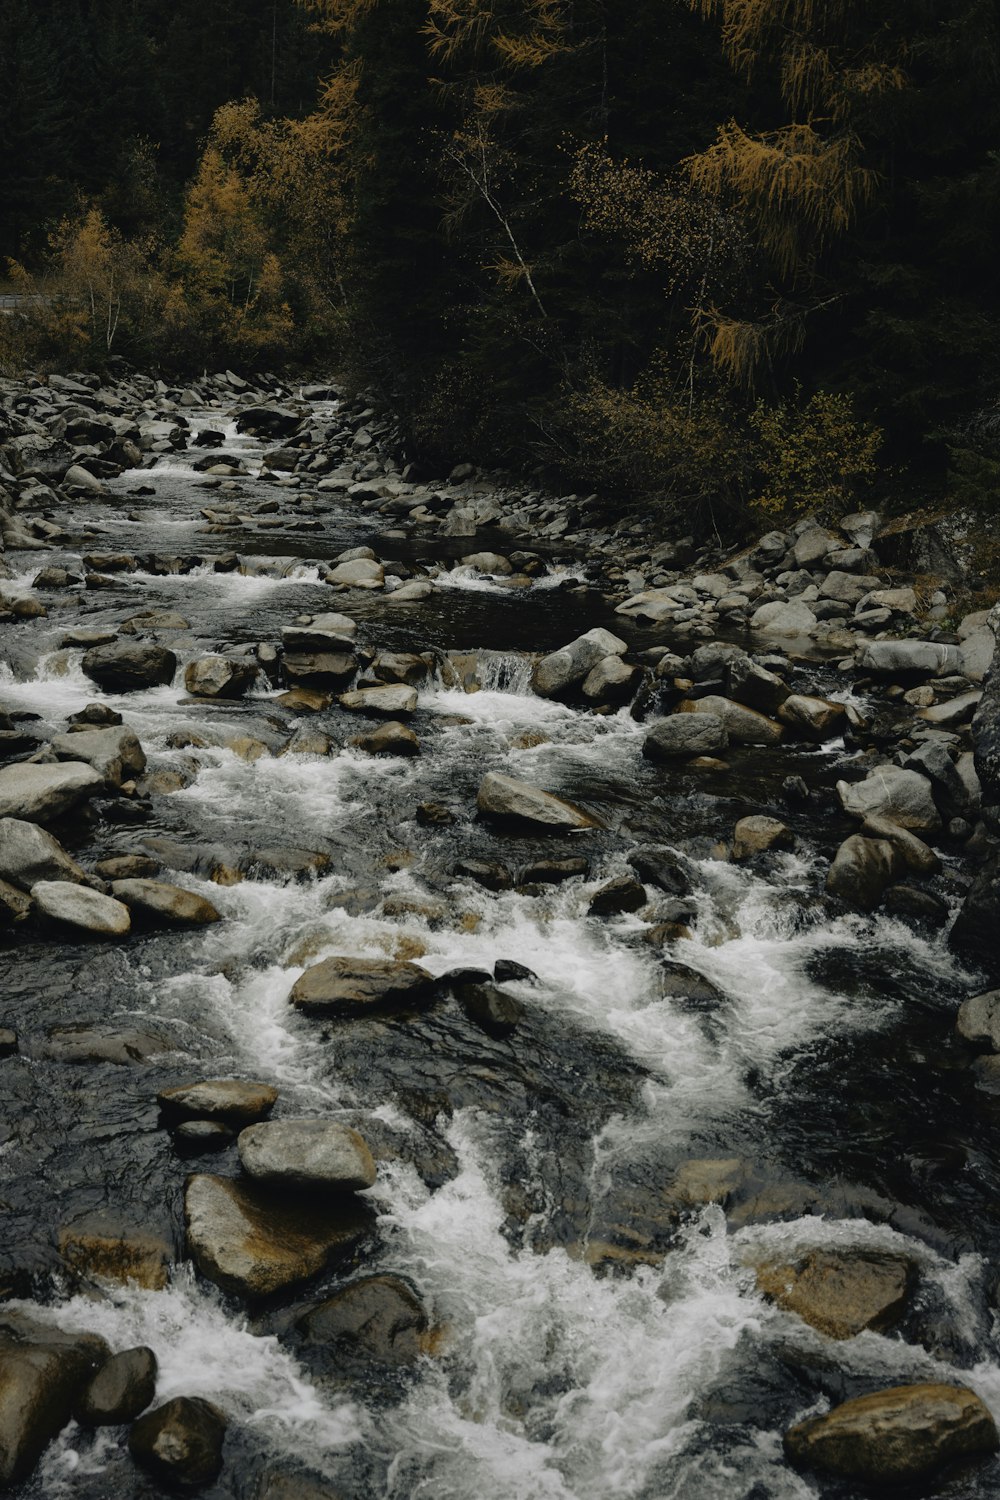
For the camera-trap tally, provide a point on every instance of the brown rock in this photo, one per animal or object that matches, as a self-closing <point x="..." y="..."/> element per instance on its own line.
<point x="361" y="986"/>
<point x="840" y="1293"/>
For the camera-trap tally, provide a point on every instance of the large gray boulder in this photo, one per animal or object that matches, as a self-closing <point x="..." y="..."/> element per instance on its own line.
<point x="361" y="986"/>
<point x="909" y="659"/>
<point x="220" y="676"/>
<point x="901" y="796"/>
<point x="362" y="573"/>
<point x="683" y="736"/>
<point x="29" y="854"/>
<point x="502" y="796"/>
<point x="895" y="1436"/>
<point x="78" y="906"/>
<point x="561" y="669"/>
<point x="252" y="1243"/>
<point x="115" y="752"/>
<point x="791" y="619"/>
<point x="862" y="868"/>
<point x="307" y="1154"/>
<point x="745" y="726"/>
<point x="40" y="794"/>
<point x="129" y="666"/>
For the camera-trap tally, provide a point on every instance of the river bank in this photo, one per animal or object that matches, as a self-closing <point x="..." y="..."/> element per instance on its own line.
<point x="602" y="886"/>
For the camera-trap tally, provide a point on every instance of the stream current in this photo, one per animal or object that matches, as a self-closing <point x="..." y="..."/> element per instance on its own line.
<point x="591" y="1342"/>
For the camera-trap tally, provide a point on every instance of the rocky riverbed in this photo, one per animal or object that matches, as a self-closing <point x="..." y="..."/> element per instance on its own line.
<point x="492" y="1005"/>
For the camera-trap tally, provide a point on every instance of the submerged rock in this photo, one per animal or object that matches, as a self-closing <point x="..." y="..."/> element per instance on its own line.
<point x="180" y="1443"/>
<point x="360" y="986"/>
<point x="376" y="1318"/>
<point x="307" y="1153"/>
<point x="896" y="1435"/>
<point x="503" y="797"/>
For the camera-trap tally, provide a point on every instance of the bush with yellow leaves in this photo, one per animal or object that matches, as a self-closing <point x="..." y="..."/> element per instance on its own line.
<point x="812" y="455"/>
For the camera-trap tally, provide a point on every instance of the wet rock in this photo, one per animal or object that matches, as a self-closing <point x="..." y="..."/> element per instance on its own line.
<point x="40" y="793"/>
<point x="29" y="854"/>
<point x="914" y="854"/>
<point x="195" y="1136"/>
<point x="157" y="901"/>
<point x="285" y="1484"/>
<point x="15" y="905"/>
<point x="504" y="797"/>
<point x="915" y="906"/>
<point x="321" y="668"/>
<point x="975" y="929"/>
<point x="102" y="1249"/>
<point x="38" y="1385"/>
<point x="623" y="894"/>
<point x="812" y="718"/>
<point x="325" y="632"/>
<point x="79" y="907"/>
<point x="400" y="666"/>
<point x="978" y="1020"/>
<point x="861" y="870"/>
<point x="307" y="741"/>
<point x="180" y="1443"/>
<point x="391" y="701"/>
<point x="744" y="726"/>
<point x="757" y="834"/>
<point x="561" y="669"/>
<point x="228" y="1099"/>
<point x="307" y="1154"/>
<point x="8" y="1042"/>
<point x="115" y="754"/>
<point x="487" y="873"/>
<point x="120" y="1391"/>
<point x="907" y="660"/>
<point x="661" y="866"/>
<point x="754" y="686"/>
<point x="152" y="620"/>
<point x="362" y="573"/>
<point x="220" y="676"/>
<point x="902" y="797"/>
<point x="490" y="1009"/>
<point x="611" y="681"/>
<point x="392" y="738"/>
<point x="96" y="715"/>
<point x="552" y="871"/>
<point x="343" y="987"/>
<point x="682" y="736"/>
<point x="377" y="1318"/>
<point x="302" y="700"/>
<point x="86" y="1044"/>
<point x="841" y="1292"/>
<point x="130" y="666"/>
<point x="953" y="712"/>
<point x="896" y="1435"/>
<point x="251" y="1243"/>
<point x="127" y="867"/>
<point x="434" y="815"/>
<point x="507" y="971"/>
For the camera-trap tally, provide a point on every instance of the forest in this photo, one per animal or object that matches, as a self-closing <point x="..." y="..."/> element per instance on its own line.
<point x="734" y="257"/>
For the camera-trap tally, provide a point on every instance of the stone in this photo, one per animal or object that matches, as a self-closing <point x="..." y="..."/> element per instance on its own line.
<point x="362" y="573"/>
<point x="156" y="900"/>
<point x="861" y="870"/>
<point x="307" y="1154"/>
<point x="325" y="632"/>
<point x="611" y="681"/>
<point x="561" y="669"/>
<point x="392" y="738"/>
<point x="903" y="797"/>
<point x="754" y="686"/>
<point x="812" y="545"/>
<point x="552" y="871"/>
<point x="8" y="1042"/>
<point x="757" y="834"/>
<point x="220" y="676"/>
<point x="129" y="666"/>
<point x="495" y="1013"/>
<point x="847" y="587"/>
<point x="841" y="1292"/>
<point x="80" y="1043"/>
<point x="905" y="660"/>
<point x="488" y="873"/>
<point x="895" y="1436"/>
<point x="29" y="854"/>
<point x="115" y="753"/>
<point x="623" y="894"/>
<point x="247" y="1241"/>
<point x="346" y="987"/>
<point x="38" y="1385"/>
<point x="974" y="932"/>
<point x="376" y="1318"/>
<point x="502" y="796"/>
<point x="101" y="1250"/>
<point x="228" y="1099"/>
<point x="40" y="793"/>
<point x="744" y="726"/>
<point x="914" y="854"/>
<point x="911" y="904"/>
<point x="392" y="701"/>
<point x="120" y="1391"/>
<point x="952" y="712"/>
<point x="400" y="666"/>
<point x="328" y="668"/>
<point x="682" y="736"/>
<point x="488" y="562"/>
<point x="791" y="619"/>
<point x="977" y="653"/>
<point x="15" y="905"/>
<point x="812" y="718"/>
<point x="978" y="1020"/>
<point x="180" y="1443"/>
<point x="78" y="906"/>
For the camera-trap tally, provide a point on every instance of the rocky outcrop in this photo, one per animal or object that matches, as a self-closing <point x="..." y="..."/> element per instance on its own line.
<point x="895" y="1436"/>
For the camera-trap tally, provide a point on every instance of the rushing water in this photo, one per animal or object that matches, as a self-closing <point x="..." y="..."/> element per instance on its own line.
<point x="590" y="1343"/>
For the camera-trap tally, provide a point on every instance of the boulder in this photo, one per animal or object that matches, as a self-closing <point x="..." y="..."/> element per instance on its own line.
<point x="392" y="701"/>
<point x="755" y="686"/>
<point x="895" y="1436"/>
<point x="757" y="834"/>
<point x="392" y="738"/>
<point x="362" y="573"/>
<point x="659" y="865"/>
<point x="623" y="894"/>
<point x="791" y="619"/>
<point x="251" y="1243"/>
<point x="913" y="853"/>
<point x="812" y="718"/>
<point x="120" y="1391"/>
<point x="974" y="932"/>
<point x="228" y="1099"/>
<point x="307" y="1154"/>
<point x="903" y="797"/>
<point x="80" y="1043"/>
<point x="155" y="900"/>
<point x="180" y="1443"/>
<point x="979" y="1020"/>
<point x="15" y="905"/>
<point x="220" y="676"/>
<point x="745" y="726"/>
<point x="861" y="870"/>
<point x="495" y="1013"/>
<point x="840" y="1292"/>
<point x="326" y="632"/>
<point x="114" y="753"/>
<point x="611" y="681"/>
<point x="376" y="1318"/>
<point x="28" y="854"/>
<point x="361" y="986"/>
<point x="561" y="669"/>
<point x="502" y="796"/>
<point x="130" y="666"/>
<point x="683" y="736"/>
<point x="40" y="794"/>
<point x="102" y="1248"/>
<point x="905" y="660"/>
<point x="78" y="906"/>
<point x="38" y="1385"/>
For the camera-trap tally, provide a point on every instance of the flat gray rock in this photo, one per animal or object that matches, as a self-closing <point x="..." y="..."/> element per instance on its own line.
<point x="307" y="1153"/>
<point x="78" y="906"/>
<point x="39" y="793"/>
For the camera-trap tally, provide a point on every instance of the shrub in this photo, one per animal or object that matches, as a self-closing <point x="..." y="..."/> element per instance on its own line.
<point x="812" y="456"/>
